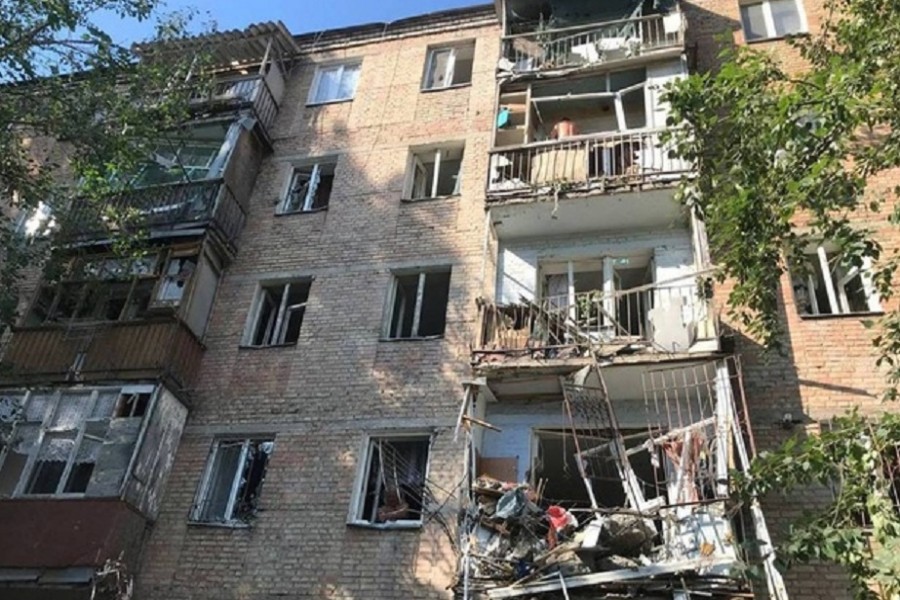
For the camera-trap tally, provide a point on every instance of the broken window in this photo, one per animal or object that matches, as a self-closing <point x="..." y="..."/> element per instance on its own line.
<point x="55" y="447"/>
<point x="826" y="284"/>
<point x="419" y="304"/>
<point x="197" y="153"/>
<point x="278" y="314"/>
<point x="334" y="83"/>
<point x="771" y="19"/>
<point x="448" y="66"/>
<point x="392" y="483"/>
<point x="436" y="172"/>
<point x="309" y="188"/>
<point x="115" y="288"/>
<point x="233" y="481"/>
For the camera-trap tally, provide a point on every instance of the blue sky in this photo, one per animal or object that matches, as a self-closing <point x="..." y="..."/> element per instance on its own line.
<point x="300" y="16"/>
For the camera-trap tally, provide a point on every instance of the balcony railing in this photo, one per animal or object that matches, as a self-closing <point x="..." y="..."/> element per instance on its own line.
<point x="670" y="318"/>
<point x="190" y="204"/>
<point x="580" y="46"/>
<point x="123" y="350"/>
<point x="584" y="162"/>
<point x="251" y="91"/>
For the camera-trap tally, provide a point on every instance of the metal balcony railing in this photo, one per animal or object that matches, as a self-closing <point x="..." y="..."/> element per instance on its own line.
<point x="669" y="317"/>
<point x="584" y="162"/>
<point x="251" y="91"/>
<point x="195" y="203"/>
<point x="573" y="47"/>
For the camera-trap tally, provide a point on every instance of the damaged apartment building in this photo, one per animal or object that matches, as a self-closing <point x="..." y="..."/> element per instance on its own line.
<point x="95" y="380"/>
<point x="421" y="316"/>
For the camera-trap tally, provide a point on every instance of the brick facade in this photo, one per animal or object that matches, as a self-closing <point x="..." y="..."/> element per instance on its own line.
<point x="341" y="381"/>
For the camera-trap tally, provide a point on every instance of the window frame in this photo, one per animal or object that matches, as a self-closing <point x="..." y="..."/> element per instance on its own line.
<point x="835" y="290"/>
<point x="317" y="80"/>
<point x="422" y="273"/>
<point x="204" y="489"/>
<point x="769" y="21"/>
<point x="317" y="165"/>
<point x="416" y="165"/>
<point x="355" y="515"/>
<point x="450" y="68"/>
<point x="280" y="321"/>
<point x="45" y="427"/>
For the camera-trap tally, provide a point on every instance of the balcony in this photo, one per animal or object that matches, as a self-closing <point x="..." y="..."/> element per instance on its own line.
<point x="189" y="205"/>
<point x="592" y="45"/>
<point x="160" y="348"/>
<point x="656" y="318"/>
<point x="249" y="92"/>
<point x="584" y="163"/>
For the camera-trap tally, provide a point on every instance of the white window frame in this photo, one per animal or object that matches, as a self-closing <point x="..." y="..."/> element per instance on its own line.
<point x="449" y="68"/>
<point x="835" y="290"/>
<point x="45" y="427"/>
<point x="279" y="319"/>
<point x="417" y="166"/>
<point x="314" y="180"/>
<point x="358" y="498"/>
<point x="317" y="80"/>
<point x="204" y="489"/>
<point x="770" y="20"/>
<point x="420" y="298"/>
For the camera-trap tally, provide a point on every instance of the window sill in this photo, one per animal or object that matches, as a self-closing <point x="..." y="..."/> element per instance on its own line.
<point x="427" y="338"/>
<point x="250" y="347"/>
<point x="777" y="38"/>
<point x="456" y="86"/>
<point x="430" y="198"/>
<point x="292" y="213"/>
<point x="328" y="102"/>
<point x="851" y="315"/>
<point x="238" y="525"/>
<point x="406" y="525"/>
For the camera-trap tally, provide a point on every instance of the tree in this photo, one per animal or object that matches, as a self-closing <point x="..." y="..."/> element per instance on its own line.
<point x="79" y="113"/>
<point x="785" y="158"/>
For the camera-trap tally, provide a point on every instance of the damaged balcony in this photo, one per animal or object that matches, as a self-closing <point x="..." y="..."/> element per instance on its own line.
<point x="595" y="134"/>
<point x="110" y="317"/>
<point x="81" y="475"/>
<point x="562" y="36"/>
<point x="665" y="319"/>
<point x="612" y="481"/>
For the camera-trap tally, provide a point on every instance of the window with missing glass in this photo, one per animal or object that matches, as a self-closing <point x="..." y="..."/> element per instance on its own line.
<point x="391" y="484"/>
<point x="418" y="304"/>
<point x="55" y="444"/>
<point x="435" y="172"/>
<point x="231" y="486"/>
<point x="448" y="66"/>
<point x="277" y="313"/>
<point x="826" y="282"/>
<point x="308" y="188"/>
<point x="772" y="19"/>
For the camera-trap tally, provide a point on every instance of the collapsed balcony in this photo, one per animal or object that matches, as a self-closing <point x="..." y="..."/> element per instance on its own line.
<point x="602" y="491"/>
<point x="596" y="44"/>
<point x="673" y="318"/>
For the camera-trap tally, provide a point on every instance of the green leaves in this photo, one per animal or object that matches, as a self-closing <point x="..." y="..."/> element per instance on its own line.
<point x="78" y="111"/>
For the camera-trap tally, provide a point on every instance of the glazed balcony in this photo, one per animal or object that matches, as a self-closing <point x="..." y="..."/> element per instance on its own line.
<point x="160" y="348"/>
<point x="596" y="44"/>
<point x="592" y="163"/>
<point x="188" y="205"/>
<point x="662" y="318"/>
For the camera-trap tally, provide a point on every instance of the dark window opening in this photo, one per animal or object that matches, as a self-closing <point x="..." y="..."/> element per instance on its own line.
<point x="436" y="173"/>
<point x="420" y="305"/>
<point x="395" y="485"/>
<point x="310" y="188"/>
<point x="132" y="405"/>
<point x="280" y="312"/>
